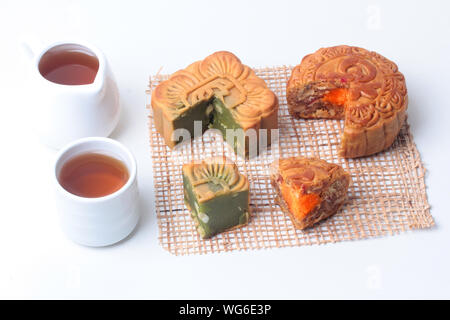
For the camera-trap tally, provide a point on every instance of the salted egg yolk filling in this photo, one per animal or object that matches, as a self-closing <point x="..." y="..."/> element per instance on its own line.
<point x="336" y="96"/>
<point x="300" y="205"/>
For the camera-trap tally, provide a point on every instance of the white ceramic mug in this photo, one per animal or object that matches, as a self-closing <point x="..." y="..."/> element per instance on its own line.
<point x="98" y="221"/>
<point x="63" y="113"/>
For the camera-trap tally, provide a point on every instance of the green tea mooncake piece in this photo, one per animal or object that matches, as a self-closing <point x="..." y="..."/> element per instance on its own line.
<point x="220" y="93"/>
<point x="216" y="194"/>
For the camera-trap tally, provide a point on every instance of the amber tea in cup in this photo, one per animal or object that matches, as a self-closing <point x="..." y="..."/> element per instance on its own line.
<point x="69" y="65"/>
<point x="93" y="175"/>
<point x="90" y="168"/>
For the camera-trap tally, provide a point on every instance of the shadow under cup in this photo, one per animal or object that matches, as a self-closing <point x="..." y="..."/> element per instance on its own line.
<point x="103" y="220"/>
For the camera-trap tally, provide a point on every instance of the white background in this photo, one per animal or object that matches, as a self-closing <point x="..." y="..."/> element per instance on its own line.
<point x="37" y="261"/>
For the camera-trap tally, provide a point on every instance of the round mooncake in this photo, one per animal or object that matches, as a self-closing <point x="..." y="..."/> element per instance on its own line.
<point x="360" y="86"/>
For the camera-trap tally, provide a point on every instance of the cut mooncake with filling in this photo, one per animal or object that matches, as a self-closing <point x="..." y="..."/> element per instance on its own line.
<point x="223" y="94"/>
<point x="309" y="189"/>
<point x="216" y="194"/>
<point x="361" y="87"/>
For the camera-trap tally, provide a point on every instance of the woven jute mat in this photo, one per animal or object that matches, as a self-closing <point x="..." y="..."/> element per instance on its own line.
<point x="387" y="195"/>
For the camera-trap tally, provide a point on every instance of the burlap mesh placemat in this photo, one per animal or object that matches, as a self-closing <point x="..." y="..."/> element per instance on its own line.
<point x="387" y="196"/>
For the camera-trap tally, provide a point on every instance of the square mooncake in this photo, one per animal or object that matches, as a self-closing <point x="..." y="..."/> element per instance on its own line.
<point x="218" y="93"/>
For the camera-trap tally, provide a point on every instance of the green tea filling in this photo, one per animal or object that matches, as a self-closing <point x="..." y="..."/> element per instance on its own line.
<point x="215" y="115"/>
<point x="223" y="120"/>
<point x="201" y="112"/>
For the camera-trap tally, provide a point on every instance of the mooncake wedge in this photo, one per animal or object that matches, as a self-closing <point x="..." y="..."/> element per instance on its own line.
<point x="308" y="189"/>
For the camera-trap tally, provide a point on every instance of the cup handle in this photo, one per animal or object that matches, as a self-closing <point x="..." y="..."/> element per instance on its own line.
<point x="30" y="47"/>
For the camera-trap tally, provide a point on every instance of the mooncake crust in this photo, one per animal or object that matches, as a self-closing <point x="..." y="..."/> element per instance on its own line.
<point x="377" y="96"/>
<point x="311" y="175"/>
<point x="221" y="76"/>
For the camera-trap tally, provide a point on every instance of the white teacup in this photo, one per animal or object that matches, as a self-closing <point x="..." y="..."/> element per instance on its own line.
<point x="63" y="113"/>
<point x="98" y="221"/>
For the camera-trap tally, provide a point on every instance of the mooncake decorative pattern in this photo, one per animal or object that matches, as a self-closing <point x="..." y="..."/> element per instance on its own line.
<point x="218" y="170"/>
<point x="375" y="96"/>
<point x="220" y="80"/>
